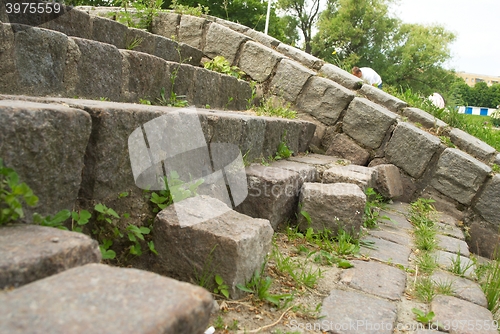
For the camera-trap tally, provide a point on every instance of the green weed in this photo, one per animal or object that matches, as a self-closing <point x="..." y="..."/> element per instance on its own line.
<point x="426" y="262"/>
<point x="275" y="107"/>
<point x="458" y="267"/>
<point x="491" y="286"/>
<point x="187" y="10"/>
<point x="422" y="317"/>
<point x="221" y="65"/>
<point x="374" y="203"/>
<point x="221" y="287"/>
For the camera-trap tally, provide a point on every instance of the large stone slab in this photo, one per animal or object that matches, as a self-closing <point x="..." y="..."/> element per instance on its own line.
<point x="222" y="41"/>
<point x="470" y="144"/>
<point x="273" y="194"/>
<point x="30" y="252"/>
<point x="342" y="145"/>
<point x="109" y="31"/>
<point x="488" y="203"/>
<point x="458" y="175"/>
<point x="462" y="287"/>
<point x="45" y="145"/>
<point x="484" y="239"/>
<point x="388" y="181"/>
<point x="201" y="237"/>
<point x="306" y="172"/>
<point x="380" y="97"/>
<point x="460" y="316"/>
<point x="400" y="237"/>
<point x="166" y="24"/>
<point x="191" y="30"/>
<point x="318" y="161"/>
<point x="450" y="230"/>
<point x="376" y="279"/>
<point x="282" y="86"/>
<point x="367" y="122"/>
<point x="449" y="261"/>
<point x="324" y="99"/>
<point x="96" y="299"/>
<point x="453" y="245"/>
<point x="258" y="61"/>
<point x="332" y="206"/>
<point x="364" y="177"/>
<point x="353" y="312"/>
<point x="428" y="121"/>
<point x="340" y="76"/>
<point x="411" y="149"/>
<point x="387" y="251"/>
<point x="301" y="56"/>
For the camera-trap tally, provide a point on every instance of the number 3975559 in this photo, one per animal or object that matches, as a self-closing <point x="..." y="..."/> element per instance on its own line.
<point x="32" y="7"/>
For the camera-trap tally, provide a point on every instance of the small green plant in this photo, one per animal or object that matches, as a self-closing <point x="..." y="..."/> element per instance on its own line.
<point x="107" y="254"/>
<point x="422" y="317"/>
<point x="80" y="218"/>
<point x="446" y="141"/>
<point x="251" y="99"/>
<point x="425" y="237"/>
<point x="56" y="221"/>
<point x="134" y="43"/>
<point x="259" y="285"/>
<point x="425" y="289"/>
<point x="491" y="285"/>
<point x="182" y="9"/>
<point x="275" y="107"/>
<point x="135" y="234"/>
<point x="283" y="151"/>
<point x="12" y="195"/>
<point x="175" y="190"/>
<point x="142" y="16"/>
<point x="145" y="101"/>
<point x="458" y="267"/>
<point x="495" y="168"/>
<point x="221" y="287"/>
<point x="219" y="323"/>
<point x="103" y="99"/>
<point x="221" y="65"/>
<point x="374" y="203"/>
<point x="426" y="262"/>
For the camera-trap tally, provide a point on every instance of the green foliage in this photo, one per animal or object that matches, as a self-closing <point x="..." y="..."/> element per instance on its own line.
<point x="188" y="10"/>
<point x="423" y="317"/>
<point x="374" y="203"/>
<point x="283" y="151"/>
<point x="447" y="141"/>
<point x="424" y="289"/>
<point x="221" y="287"/>
<point x="491" y="285"/>
<point x="56" y="221"/>
<point x="134" y="43"/>
<point x="12" y="195"/>
<point x="141" y="17"/>
<point x="259" y="285"/>
<point x="221" y="65"/>
<point x="80" y="218"/>
<point x="495" y="168"/>
<point x="275" y="107"/>
<point x="426" y="262"/>
<point x="135" y="234"/>
<point x="173" y="100"/>
<point x="107" y="254"/>
<point x="458" y="267"/>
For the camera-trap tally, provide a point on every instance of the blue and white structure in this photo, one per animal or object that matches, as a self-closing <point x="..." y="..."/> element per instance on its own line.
<point x="476" y="111"/>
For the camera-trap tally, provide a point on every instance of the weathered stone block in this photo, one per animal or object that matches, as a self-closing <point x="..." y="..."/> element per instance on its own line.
<point x="364" y="177"/>
<point x="282" y="86"/>
<point x="184" y="81"/>
<point x="497" y="159"/>
<point x="453" y="245"/>
<point x="144" y="76"/>
<point x="103" y="80"/>
<point x="206" y="88"/>
<point x="332" y="206"/>
<point x="484" y="239"/>
<point x="301" y="56"/>
<point x="427" y="120"/>
<point x="318" y="161"/>
<point x="31" y="252"/>
<point x="191" y="30"/>
<point x="190" y="55"/>
<point x="222" y="41"/>
<point x="379" y="96"/>
<point x="262" y="38"/>
<point x="9" y="77"/>
<point x="258" y="61"/>
<point x="72" y="23"/>
<point x="201" y="237"/>
<point x="462" y="287"/>
<point x="470" y="144"/>
<point x="387" y="251"/>
<point x="324" y="99"/>
<point x="411" y="149"/>
<point x="166" y="24"/>
<point x="306" y="135"/>
<point x="167" y="49"/>
<point x="37" y="63"/>
<point x="45" y="145"/>
<point x="96" y="298"/>
<point x="306" y="173"/>
<point x="367" y="122"/>
<point x="388" y="182"/>
<point x="142" y="41"/>
<point x="343" y="146"/>
<point x="273" y="194"/>
<point x="232" y="25"/>
<point x="458" y="175"/>
<point x="488" y="203"/>
<point x="340" y="76"/>
<point x="234" y="93"/>
<point x="109" y="31"/>
<point x="281" y="130"/>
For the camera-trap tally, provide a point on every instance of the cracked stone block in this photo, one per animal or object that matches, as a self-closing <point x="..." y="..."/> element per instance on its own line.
<point x="367" y="122"/>
<point x="97" y="298"/>
<point x="281" y="85"/>
<point x="31" y="252"/>
<point x="460" y="316"/>
<point x="388" y="181"/>
<point x="343" y="146"/>
<point x="353" y="312"/>
<point x="364" y="177"/>
<point x="332" y="206"/>
<point x="273" y="194"/>
<point x="376" y="279"/>
<point x="459" y="175"/>
<point x="201" y="237"/>
<point x="411" y="149"/>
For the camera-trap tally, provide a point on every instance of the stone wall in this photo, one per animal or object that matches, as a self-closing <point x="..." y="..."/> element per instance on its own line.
<point x="354" y="121"/>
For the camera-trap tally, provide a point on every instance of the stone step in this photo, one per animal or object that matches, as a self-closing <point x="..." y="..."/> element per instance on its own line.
<point x="96" y="298"/>
<point x="30" y="252"/>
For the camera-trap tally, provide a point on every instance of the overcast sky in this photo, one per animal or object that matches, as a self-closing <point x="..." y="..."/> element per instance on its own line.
<point x="476" y="24"/>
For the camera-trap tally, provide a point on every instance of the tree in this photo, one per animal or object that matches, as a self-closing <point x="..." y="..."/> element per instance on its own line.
<point x="305" y="17"/>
